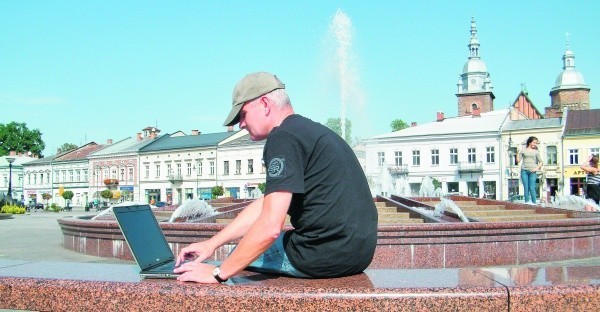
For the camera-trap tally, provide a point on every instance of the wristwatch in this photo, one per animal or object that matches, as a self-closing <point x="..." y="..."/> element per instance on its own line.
<point x="216" y="273"/>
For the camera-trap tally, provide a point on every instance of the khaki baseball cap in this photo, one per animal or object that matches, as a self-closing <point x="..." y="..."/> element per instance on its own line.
<point x="249" y="88"/>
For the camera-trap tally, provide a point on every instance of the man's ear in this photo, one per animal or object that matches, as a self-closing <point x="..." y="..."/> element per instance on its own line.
<point x="265" y="104"/>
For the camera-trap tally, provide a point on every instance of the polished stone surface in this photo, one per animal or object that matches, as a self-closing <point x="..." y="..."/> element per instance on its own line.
<point x="68" y="286"/>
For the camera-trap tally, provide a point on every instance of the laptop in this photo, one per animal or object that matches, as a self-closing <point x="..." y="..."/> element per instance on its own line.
<point x="146" y="241"/>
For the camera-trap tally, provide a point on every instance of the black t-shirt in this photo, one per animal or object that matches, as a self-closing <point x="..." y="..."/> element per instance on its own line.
<point x="332" y="211"/>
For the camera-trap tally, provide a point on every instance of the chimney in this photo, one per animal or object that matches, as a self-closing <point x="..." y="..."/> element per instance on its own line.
<point x="139" y="136"/>
<point x="109" y="142"/>
<point x="413" y="124"/>
<point x="195" y="132"/>
<point x="440" y="116"/>
<point x="153" y="133"/>
<point x="476" y="112"/>
<point x="229" y="128"/>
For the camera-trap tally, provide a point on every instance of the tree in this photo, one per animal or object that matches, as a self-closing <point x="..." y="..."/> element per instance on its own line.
<point x="67" y="195"/>
<point x="66" y="147"/>
<point x="262" y="186"/>
<point x="217" y="190"/>
<point x="106" y="194"/>
<point x="17" y="137"/>
<point x="335" y="125"/>
<point x="398" y="124"/>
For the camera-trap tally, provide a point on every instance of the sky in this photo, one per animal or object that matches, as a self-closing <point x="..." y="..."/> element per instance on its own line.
<point x="83" y="71"/>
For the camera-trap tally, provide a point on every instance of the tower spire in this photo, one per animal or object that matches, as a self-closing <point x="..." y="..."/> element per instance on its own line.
<point x="474" y="42"/>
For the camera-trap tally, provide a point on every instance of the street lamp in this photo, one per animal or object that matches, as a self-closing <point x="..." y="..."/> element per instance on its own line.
<point x="196" y="167"/>
<point x="10" y="161"/>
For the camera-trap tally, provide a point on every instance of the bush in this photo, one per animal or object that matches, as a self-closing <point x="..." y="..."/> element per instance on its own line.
<point x="217" y="191"/>
<point x="12" y="209"/>
<point x="54" y="208"/>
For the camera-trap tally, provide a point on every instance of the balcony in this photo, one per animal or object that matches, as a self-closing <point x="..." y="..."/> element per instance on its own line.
<point x="401" y="170"/>
<point x="175" y="178"/>
<point x="470" y="168"/>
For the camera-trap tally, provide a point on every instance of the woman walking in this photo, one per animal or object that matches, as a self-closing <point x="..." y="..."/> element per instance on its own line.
<point x="531" y="162"/>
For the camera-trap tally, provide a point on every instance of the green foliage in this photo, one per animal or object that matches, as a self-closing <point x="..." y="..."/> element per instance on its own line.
<point x="262" y="187"/>
<point x="436" y="183"/>
<point x="46" y="196"/>
<point x="67" y="195"/>
<point x="17" y="137"/>
<point x="217" y="190"/>
<point x="54" y="208"/>
<point x="335" y="124"/>
<point x="66" y="147"/>
<point x="106" y="194"/>
<point x="398" y="124"/>
<point x="12" y="209"/>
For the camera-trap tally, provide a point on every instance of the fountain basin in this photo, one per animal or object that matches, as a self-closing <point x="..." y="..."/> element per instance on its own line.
<point x="427" y="245"/>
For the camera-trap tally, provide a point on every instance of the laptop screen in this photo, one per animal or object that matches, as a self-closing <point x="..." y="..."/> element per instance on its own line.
<point x="143" y="234"/>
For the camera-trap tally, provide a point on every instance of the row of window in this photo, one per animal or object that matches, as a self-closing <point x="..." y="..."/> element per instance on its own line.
<point x="198" y="167"/>
<point x="435" y="156"/>
<point x="77" y="175"/>
<point x="551" y="156"/>
<point x="120" y="173"/>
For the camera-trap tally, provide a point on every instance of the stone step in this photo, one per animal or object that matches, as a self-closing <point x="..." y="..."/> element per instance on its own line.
<point x="387" y="209"/>
<point x="402" y="215"/>
<point x="400" y="221"/>
<point x="537" y="217"/>
<point x="380" y="204"/>
<point x="482" y="207"/>
<point x="500" y="213"/>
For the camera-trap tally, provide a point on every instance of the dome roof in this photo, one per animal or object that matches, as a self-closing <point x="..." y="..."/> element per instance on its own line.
<point x="569" y="78"/>
<point x="474" y="65"/>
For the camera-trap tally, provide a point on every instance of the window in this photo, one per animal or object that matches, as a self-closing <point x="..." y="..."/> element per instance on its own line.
<point x="199" y="171"/>
<point x="178" y="170"/>
<point x="34" y="179"/>
<point x="71" y="176"/>
<point x="574" y="156"/>
<point x="551" y="155"/>
<point x="158" y="170"/>
<point x="471" y="157"/>
<point x="113" y="173"/>
<point x="250" y="165"/>
<point x="29" y="178"/>
<point x="77" y="175"/>
<point x="122" y="174"/>
<point x="416" y="158"/>
<point x="130" y="173"/>
<point x="380" y="158"/>
<point x="490" y="155"/>
<point x="48" y="178"/>
<point x="147" y="175"/>
<point x="238" y="166"/>
<point x="169" y="170"/>
<point x="398" y="158"/>
<point x="212" y="168"/>
<point x="435" y="156"/>
<point x="189" y="169"/>
<point x="85" y="175"/>
<point x="452" y="187"/>
<point x="454" y="156"/>
<point x="594" y="151"/>
<point x="226" y="167"/>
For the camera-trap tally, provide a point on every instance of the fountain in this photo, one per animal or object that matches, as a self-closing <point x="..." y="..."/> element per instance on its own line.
<point x="191" y="210"/>
<point x="256" y="193"/>
<point x="574" y="202"/>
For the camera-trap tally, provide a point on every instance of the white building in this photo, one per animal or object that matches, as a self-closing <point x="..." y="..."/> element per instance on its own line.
<point x="180" y="166"/>
<point x="12" y="172"/>
<point x="461" y="153"/>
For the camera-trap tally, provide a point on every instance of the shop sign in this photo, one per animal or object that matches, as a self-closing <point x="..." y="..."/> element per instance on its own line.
<point x="574" y="172"/>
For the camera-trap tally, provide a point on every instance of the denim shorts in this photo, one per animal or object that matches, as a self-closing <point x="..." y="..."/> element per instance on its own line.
<point x="275" y="261"/>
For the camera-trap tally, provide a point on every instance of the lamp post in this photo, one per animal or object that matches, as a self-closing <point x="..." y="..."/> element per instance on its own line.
<point x="10" y="162"/>
<point x="196" y="167"/>
<point x="97" y="174"/>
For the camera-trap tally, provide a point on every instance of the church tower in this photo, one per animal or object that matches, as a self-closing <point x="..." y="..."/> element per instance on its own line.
<point x="570" y="90"/>
<point x="474" y="85"/>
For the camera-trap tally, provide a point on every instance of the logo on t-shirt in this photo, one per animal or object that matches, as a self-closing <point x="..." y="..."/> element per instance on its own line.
<point x="276" y="167"/>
